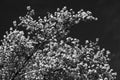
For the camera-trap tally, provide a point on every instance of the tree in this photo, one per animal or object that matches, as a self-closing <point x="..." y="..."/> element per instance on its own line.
<point x="47" y="53"/>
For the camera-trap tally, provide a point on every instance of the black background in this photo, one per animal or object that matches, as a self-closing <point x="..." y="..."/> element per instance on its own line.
<point x="107" y="28"/>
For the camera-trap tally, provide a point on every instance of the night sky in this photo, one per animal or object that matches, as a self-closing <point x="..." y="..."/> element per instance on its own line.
<point x="107" y="28"/>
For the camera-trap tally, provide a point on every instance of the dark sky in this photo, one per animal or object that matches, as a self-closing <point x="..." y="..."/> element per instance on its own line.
<point x="107" y="28"/>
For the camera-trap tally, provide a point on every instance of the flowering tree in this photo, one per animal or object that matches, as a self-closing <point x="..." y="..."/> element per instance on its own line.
<point x="47" y="53"/>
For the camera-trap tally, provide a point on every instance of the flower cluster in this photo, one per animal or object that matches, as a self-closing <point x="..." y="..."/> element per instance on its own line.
<point x="61" y="61"/>
<point x="54" y="25"/>
<point x="48" y="54"/>
<point x="14" y="50"/>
